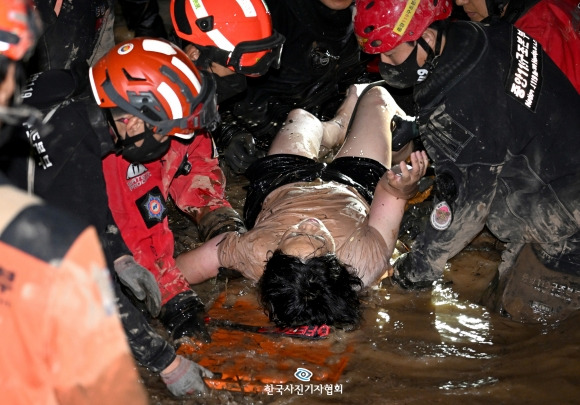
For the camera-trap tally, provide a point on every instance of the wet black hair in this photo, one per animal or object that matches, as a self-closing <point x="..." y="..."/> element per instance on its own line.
<point x="320" y="290"/>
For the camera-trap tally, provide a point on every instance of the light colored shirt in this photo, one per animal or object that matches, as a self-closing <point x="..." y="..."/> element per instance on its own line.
<point x="340" y="208"/>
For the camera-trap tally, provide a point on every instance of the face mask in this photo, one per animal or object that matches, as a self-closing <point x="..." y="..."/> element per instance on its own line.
<point x="405" y="75"/>
<point x="150" y="150"/>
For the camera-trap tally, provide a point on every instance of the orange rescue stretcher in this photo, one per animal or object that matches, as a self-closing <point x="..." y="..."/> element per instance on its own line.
<point x="246" y="356"/>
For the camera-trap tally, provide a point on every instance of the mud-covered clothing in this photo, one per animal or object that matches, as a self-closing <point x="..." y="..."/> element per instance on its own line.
<point x="138" y="193"/>
<point x="555" y="24"/>
<point x="290" y="188"/>
<point x="62" y="340"/>
<point x="66" y="171"/>
<point x="514" y="163"/>
<point x="78" y="30"/>
<point x="321" y="58"/>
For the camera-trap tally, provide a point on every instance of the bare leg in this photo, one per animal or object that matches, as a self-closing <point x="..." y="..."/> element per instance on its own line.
<point x="335" y="129"/>
<point x="370" y="134"/>
<point x="304" y="134"/>
<point x="301" y="135"/>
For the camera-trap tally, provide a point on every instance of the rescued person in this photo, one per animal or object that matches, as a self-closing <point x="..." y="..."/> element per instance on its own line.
<point x="319" y="233"/>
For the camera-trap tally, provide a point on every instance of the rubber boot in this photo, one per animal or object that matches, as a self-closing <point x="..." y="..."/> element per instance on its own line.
<point x="531" y="292"/>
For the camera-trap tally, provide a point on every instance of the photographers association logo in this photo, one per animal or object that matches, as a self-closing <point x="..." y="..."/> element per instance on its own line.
<point x="303" y="374"/>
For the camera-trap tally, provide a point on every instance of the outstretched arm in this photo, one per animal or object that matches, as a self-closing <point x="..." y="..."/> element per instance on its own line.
<point x="391" y="195"/>
<point x="201" y="263"/>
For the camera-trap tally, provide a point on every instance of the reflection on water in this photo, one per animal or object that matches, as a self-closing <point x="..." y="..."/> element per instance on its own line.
<point x="456" y="320"/>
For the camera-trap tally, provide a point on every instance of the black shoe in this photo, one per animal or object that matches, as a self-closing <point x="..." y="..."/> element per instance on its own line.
<point x="183" y="316"/>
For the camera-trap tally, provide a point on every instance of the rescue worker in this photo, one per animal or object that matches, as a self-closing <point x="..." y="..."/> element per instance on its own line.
<point x="232" y="40"/>
<point x="319" y="233"/>
<point x="319" y="62"/>
<point x="158" y="105"/>
<point x="510" y="166"/>
<point x="66" y="171"/>
<point x="57" y="305"/>
<point x="227" y="37"/>
<point x="555" y="24"/>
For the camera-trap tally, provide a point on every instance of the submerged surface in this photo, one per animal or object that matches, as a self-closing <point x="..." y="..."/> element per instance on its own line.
<point x="417" y="347"/>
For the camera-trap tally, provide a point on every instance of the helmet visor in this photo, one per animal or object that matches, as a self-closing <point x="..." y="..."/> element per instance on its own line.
<point x="272" y="46"/>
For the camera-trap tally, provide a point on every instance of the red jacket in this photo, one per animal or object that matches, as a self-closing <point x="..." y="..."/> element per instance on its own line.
<point x="555" y="25"/>
<point x="138" y="194"/>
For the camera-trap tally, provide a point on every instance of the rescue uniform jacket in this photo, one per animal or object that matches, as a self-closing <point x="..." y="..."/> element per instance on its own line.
<point x="138" y="193"/>
<point x="498" y="117"/>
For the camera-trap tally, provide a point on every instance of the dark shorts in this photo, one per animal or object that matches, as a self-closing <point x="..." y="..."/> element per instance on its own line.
<point x="271" y="172"/>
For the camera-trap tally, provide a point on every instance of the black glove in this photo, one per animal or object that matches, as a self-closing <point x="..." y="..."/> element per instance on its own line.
<point x="407" y="274"/>
<point x="404" y="130"/>
<point x="183" y="316"/>
<point x="241" y="152"/>
<point x="140" y="281"/>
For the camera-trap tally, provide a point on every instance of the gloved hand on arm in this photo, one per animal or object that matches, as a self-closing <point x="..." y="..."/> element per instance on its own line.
<point x="140" y="282"/>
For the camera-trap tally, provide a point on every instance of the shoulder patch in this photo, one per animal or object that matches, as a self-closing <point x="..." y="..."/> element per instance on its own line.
<point x="137" y="175"/>
<point x="153" y="207"/>
<point x="524" y="79"/>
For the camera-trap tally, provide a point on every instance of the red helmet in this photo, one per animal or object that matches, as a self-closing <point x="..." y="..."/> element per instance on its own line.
<point x="155" y="80"/>
<point x="381" y="25"/>
<point x="238" y="32"/>
<point x="19" y="28"/>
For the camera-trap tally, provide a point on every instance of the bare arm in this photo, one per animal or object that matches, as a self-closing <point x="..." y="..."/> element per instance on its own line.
<point x="391" y="196"/>
<point x="201" y="263"/>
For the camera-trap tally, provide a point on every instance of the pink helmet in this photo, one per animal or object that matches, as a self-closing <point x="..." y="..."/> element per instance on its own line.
<point x="381" y="25"/>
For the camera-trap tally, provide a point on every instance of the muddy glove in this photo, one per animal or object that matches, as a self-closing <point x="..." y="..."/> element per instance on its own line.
<point x="187" y="378"/>
<point x="140" y="281"/>
<point x="409" y="275"/>
<point x="241" y="152"/>
<point x="216" y="222"/>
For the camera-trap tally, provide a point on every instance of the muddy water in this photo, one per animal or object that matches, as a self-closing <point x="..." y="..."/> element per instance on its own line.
<point x="424" y="347"/>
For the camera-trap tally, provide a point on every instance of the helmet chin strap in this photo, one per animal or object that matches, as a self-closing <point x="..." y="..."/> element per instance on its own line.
<point x="432" y="54"/>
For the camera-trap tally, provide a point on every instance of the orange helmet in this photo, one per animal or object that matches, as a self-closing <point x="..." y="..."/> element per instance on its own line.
<point x="19" y="28"/>
<point x="381" y="25"/>
<point x="155" y="80"/>
<point x="233" y="33"/>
